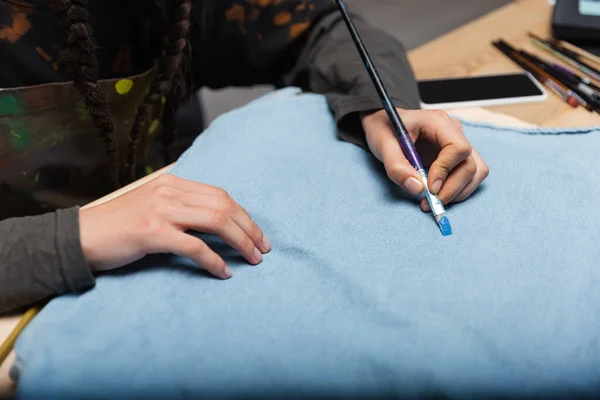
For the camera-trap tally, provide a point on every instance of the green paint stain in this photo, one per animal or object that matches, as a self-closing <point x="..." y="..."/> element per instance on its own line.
<point x="19" y="134"/>
<point x="82" y="112"/>
<point x="58" y="134"/>
<point x="11" y="105"/>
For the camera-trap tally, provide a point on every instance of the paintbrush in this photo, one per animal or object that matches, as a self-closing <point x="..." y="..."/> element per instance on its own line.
<point x="582" y="90"/>
<point x="561" y="90"/>
<point x="568" y="57"/>
<point x="582" y="53"/>
<point x="408" y="147"/>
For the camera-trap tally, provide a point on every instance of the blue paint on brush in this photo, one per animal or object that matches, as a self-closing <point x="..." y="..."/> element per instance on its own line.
<point x="445" y="226"/>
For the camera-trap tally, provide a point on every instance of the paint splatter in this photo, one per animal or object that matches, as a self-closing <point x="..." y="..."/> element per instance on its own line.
<point x="58" y="134"/>
<point x="282" y="18"/>
<point x="81" y="112"/>
<point x="298" y="29"/>
<point x="19" y="140"/>
<point x="11" y="105"/>
<point x="42" y="53"/>
<point x="266" y="3"/>
<point x="19" y="27"/>
<point x="124" y="86"/>
<point x="237" y="14"/>
<point x="46" y="57"/>
<point x="154" y="125"/>
<point x="19" y="135"/>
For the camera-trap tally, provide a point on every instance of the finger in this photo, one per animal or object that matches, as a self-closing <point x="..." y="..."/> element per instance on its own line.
<point x="483" y="172"/>
<point x="397" y="167"/>
<point x="220" y="200"/>
<point x="190" y="193"/>
<point x="217" y="222"/>
<point x="448" y="136"/>
<point x="457" y="180"/>
<point x="461" y="182"/>
<point x="425" y="205"/>
<point x="185" y="245"/>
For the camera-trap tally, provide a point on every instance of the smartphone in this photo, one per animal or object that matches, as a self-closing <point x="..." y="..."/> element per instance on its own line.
<point x="476" y="91"/>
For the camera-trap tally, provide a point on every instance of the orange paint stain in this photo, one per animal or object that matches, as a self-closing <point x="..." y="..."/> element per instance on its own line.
<point x="19" y="27"/>
<point x="298" y="29"/>
<point x="237" y="14"/>
<point x="282" y="18"/>
<point x="46" y="57"/>
<point x="305" y="5"/>
<point x="42" y="53"/>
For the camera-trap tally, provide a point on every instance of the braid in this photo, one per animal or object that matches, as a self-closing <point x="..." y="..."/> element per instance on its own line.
<point x="78" y="57"/>
<point x="169" y="64"/>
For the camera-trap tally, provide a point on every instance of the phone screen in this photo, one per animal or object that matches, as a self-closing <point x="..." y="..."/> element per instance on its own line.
<point x="477" y="88"/>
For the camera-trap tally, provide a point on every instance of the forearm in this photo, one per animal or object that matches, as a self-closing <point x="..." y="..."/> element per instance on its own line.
<point x="330" y="64"/>
<point x="41" y="257"/>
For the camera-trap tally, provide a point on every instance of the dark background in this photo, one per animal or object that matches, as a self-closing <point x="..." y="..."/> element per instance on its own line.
<point x="414" y="22"/>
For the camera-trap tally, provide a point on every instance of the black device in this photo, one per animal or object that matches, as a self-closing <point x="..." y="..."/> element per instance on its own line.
<point x="578" y="22"/>
<point x="475" y="91"/>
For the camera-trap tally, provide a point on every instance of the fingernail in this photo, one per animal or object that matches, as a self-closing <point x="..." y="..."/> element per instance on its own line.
<point x="227" y="272"/>
<point x="266" y="245"/>
<point x="436" y="186"/>
<point x="257" y="256"/>
<point x="414" y="186"/>
<point x="425" y="207"/>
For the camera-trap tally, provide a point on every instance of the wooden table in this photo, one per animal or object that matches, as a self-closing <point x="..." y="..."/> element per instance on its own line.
<point x="466" y="51"/>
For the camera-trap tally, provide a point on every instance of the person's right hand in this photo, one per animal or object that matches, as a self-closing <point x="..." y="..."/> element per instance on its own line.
<point x="154" y="218"/>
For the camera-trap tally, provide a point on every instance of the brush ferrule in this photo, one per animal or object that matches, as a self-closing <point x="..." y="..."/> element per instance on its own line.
<point x="437" y="208"/>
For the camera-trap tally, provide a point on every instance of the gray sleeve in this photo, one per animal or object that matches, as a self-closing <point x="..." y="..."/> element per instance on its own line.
<point x="330" y="64"/>
<point x="41" y="257"/>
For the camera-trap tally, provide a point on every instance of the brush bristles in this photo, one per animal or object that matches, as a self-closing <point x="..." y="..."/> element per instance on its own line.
<point x="445" y="226"/>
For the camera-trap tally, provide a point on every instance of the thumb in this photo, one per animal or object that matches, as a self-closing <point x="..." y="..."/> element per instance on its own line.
<point x="398" y="169"/>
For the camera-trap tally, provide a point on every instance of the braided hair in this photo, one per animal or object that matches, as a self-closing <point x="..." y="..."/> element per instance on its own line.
<point x="78" y="56"/>
<point x="80" y="62"/>
<point x="169" y="65"/>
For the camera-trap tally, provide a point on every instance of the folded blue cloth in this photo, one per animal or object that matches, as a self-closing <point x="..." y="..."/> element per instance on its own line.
<point x="361" y="295"/>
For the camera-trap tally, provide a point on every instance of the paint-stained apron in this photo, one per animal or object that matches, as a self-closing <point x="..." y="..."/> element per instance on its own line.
<point x="51" y="155"/>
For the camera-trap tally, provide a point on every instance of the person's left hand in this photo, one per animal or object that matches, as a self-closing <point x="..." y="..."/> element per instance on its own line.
<point x="456" y="169"/>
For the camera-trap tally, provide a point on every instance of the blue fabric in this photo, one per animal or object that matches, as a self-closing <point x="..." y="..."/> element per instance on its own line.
<point x="361" y="295"/>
